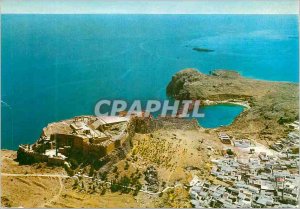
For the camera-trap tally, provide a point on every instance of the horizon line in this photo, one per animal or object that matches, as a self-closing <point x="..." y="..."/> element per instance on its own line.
<point x="274" y="14"/>
<point x="150" y="7"/>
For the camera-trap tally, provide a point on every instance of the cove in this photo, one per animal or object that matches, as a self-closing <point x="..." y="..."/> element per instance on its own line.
<point x="219" y="115"/>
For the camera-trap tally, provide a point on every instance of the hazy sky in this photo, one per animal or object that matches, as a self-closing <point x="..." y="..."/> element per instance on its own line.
<point x="151" y="7"/>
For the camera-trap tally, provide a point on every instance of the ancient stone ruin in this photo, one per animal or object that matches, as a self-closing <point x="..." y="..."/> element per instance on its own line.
<point x="86" y="136"/>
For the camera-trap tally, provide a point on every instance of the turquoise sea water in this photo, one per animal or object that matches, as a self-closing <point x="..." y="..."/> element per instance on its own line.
<point x="58" y="66"/>
<point x="219" y="115"/>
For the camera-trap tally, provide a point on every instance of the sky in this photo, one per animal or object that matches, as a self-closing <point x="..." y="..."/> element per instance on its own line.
<point x="150" y="6"/>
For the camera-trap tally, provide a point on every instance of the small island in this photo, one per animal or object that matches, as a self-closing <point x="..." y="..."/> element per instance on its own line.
<point x="202" y="49"/>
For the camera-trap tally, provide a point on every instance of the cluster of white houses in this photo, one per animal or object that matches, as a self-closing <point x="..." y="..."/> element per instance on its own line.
<point x="254" y="179"/>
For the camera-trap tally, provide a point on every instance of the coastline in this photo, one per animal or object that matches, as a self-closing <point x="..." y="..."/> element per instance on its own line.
<point x="240" y="103"/>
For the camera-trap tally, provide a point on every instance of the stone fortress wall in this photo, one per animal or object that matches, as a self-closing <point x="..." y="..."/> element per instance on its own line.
<point x="64" y="139"/>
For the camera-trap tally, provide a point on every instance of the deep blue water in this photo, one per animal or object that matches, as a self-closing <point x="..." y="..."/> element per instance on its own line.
<point x="57" y="66"/>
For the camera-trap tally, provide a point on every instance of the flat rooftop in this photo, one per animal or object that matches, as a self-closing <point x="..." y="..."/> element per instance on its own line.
<point x="113" y="119"/>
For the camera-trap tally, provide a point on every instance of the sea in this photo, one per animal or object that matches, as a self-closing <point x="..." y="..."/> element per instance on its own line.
<point x="55" y="67"/>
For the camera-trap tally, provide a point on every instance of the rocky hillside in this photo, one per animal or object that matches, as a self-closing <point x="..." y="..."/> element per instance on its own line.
<point x="273" y="104"/>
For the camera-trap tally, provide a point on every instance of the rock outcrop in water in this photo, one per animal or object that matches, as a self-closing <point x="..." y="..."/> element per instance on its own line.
<point x="272" y="103"/>
<point x="202" y="49"/>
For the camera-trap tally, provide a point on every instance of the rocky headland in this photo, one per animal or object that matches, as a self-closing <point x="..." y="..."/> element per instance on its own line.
<point x="271" y="105"/>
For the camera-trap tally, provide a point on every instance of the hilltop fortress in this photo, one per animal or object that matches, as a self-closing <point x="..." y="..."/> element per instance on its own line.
<point x="87" y="136"/>
<point x="90" y="138"/>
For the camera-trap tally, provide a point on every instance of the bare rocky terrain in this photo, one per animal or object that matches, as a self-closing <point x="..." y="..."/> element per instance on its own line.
<point x="160" y="162"/>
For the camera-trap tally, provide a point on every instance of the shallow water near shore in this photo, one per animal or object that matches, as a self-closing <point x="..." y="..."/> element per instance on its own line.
<point x="56" y="67"/>
<point x="219" y="115"/>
